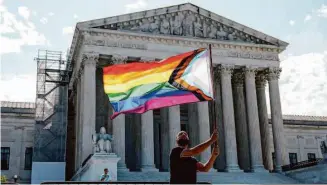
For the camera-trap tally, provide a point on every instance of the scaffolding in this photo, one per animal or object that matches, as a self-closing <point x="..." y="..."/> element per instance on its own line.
<point x="51" y="107"/>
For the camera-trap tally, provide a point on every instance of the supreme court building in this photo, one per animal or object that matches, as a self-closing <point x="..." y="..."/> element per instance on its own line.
<point x="245" y="63"/>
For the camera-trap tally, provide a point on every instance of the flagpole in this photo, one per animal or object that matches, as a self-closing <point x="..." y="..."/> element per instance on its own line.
<point x="213" y="106"/>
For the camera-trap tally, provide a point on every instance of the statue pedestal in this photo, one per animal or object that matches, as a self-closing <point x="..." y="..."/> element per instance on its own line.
<point x="94" y="167"/>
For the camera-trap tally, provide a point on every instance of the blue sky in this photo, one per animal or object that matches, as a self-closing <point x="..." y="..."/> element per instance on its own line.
<point x="29" y="25"/>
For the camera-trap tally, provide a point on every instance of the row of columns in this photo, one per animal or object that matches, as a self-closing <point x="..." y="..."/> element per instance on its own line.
<point x="250" y="130"/>
<point x="245" y="117"/>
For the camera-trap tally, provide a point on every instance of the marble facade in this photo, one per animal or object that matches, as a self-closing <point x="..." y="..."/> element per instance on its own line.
<point x="303" y="135"/>
<point x="17" y="134"/>
<point x="244" y="60"/>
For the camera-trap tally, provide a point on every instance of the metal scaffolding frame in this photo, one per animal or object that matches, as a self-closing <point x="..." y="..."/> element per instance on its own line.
<point x="51" y="107"/>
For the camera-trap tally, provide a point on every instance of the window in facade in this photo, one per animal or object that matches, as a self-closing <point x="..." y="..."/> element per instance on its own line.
<point x="28" y="158"/>
<point x="311" y="156"/>
<point x="5" y="155"/>
<point x="293" y="158"/>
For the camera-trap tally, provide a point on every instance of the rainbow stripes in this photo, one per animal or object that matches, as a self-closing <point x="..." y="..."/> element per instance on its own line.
<point x="138" y="87"/>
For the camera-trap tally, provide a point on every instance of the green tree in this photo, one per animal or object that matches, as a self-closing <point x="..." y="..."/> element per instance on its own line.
<point x="3" y="179"/>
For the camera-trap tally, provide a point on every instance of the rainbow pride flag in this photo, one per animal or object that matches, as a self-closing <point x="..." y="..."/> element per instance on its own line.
<point x="138" y="87"/>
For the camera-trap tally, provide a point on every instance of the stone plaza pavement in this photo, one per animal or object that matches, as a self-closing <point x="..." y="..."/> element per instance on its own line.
<point x="212" y="177"/>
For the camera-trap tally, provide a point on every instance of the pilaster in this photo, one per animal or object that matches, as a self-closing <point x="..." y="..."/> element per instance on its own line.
<point x="301" y="148"/>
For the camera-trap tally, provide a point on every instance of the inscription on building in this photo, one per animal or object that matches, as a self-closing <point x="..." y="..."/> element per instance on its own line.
<point x="108" y="43"/>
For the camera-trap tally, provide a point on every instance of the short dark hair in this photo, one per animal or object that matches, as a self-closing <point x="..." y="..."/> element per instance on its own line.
<point x="106" y="169"/>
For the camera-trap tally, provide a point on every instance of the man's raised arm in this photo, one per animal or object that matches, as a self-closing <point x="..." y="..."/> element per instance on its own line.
<point x="208" y="165"/>
<point x="201" y="147"/>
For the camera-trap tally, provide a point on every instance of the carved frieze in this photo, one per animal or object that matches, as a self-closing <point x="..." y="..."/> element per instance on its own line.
<point x="223" y="50"/>
<point x="185" y="23"/>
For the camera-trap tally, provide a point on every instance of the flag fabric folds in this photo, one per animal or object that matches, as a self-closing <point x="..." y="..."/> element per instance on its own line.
<point x="138" y="87"/>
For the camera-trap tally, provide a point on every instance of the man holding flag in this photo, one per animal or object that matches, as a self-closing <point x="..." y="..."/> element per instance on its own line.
<point x="183" y="166"/>
<point x="138" y="87"/>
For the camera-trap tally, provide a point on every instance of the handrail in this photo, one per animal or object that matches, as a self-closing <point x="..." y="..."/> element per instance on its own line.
<point x="85" y="161"/>
<point x="301" y="164"/>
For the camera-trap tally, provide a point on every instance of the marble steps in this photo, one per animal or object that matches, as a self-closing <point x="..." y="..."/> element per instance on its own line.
<point x="213" y="177"/>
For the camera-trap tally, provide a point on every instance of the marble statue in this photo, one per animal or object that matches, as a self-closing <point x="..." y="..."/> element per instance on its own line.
<point x="198" y="29"/>
<point x="164" y="27"/>
<point x="221" y="34"/>
<point x="213" y="31"/>
<point x="154" y="27"/>
<point x="102" y="142"/>
<point x="186" y="23"/>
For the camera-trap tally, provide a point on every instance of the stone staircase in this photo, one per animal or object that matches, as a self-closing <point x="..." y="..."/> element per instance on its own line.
<point x="212" y="177"/>
<point x="310" y="175"/>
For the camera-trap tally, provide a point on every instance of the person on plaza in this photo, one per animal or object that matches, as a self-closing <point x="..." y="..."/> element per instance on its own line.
<point x="105" y="177"/>
<point x="183" y="165"/>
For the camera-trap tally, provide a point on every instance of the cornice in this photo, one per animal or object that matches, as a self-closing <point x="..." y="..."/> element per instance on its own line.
<point x="110" y="38"/>
<point x="178" y="40"/>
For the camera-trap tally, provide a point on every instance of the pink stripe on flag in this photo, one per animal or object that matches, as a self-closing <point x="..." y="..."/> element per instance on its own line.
<point x="161" y="102"/>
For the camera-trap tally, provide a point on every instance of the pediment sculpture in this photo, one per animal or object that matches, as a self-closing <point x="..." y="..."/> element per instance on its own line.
<point x="102" y="142"/>
<point x="185" y="23"/>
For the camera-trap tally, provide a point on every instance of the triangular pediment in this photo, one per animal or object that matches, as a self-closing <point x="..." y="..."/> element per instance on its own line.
<point x="186" y="20"/>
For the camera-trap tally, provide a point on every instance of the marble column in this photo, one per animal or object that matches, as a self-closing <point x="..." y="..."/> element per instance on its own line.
<point x="319" y="139"/>
<point x="164" y="139"/>
<point x="118" y="125"/>
<point x="276" y="117"/>
<point x="221" y="159"/>
<point x="137" y="141"/>
<point x="169" y="127"/>
<point x="174" y="121"/>
<point x="204" y="127"/>
<point x="157" y="139"/>
<point x="261" y="80"/>
<point x="147" y="141"/>
<point x="242" y="140"/>
<point x="193" y="126"/>
<point x="88" y="102"/>
<point x="253" y="120"/>
<point x="228" y="117"/>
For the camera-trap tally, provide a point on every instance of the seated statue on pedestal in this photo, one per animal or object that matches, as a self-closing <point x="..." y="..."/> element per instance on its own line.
<point x="102" y="142"/>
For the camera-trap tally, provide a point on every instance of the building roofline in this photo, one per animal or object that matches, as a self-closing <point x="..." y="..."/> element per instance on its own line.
<point x="187" y="6"/>
<point x="18" y="105"/>
<point x="303" y="117"/>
